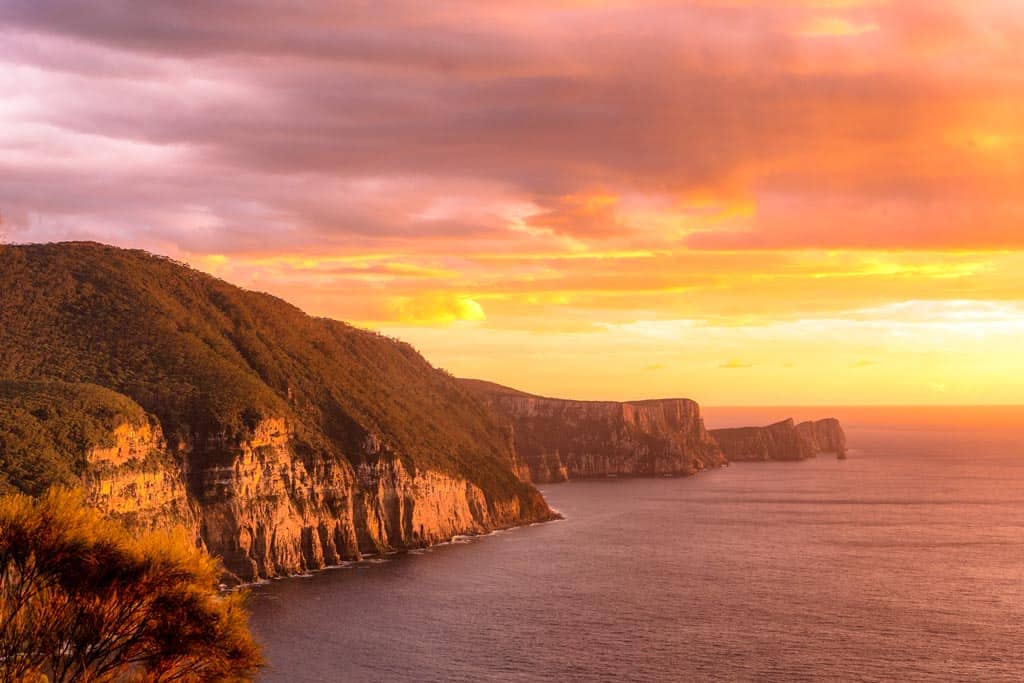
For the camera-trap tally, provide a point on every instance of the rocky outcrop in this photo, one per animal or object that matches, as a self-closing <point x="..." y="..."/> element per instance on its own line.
<point x="561" y="439"/>
<point x="824" y="436"/>
<point x="267" y="511"/>
<point x="783" y="440"/>
<point x="136" y="480"/>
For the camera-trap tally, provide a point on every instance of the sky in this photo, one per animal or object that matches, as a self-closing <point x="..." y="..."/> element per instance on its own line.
<point x="747" y="202"/>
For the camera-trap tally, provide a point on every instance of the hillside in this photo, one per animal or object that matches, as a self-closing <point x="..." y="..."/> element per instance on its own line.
<point x="304" y="440"/>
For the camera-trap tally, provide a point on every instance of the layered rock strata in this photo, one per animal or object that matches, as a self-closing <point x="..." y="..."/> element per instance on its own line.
<point x="267" y="511"/>
<point x="138" y="481"/>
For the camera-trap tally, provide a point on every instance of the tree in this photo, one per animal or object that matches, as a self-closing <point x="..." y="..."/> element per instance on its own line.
<point x="82" y="600"/>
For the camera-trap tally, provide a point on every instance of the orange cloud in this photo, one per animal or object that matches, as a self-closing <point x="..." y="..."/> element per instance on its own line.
<point x="833" y="27"/>
<point x="579" y="215"/>
<point x="434" y="309"/>
<point x="569" y="175"/>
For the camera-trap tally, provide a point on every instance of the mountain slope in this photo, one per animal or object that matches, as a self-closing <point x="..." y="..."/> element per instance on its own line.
<point x="304" y="440"/>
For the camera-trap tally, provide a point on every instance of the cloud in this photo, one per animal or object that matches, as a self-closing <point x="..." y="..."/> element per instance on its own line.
<point x="835" y="27"/>
<point x="433" y="309"/>
<point x="625" y="168"/>
<point x="585" y="214"/>
<point x="194" y="119"/>
<point x="735" y="365"/>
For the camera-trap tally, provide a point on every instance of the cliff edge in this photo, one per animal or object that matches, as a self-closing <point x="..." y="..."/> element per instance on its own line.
<point x="825" y="436"/>
<point x="783" y="440"/>
<point x="557" y="439"/>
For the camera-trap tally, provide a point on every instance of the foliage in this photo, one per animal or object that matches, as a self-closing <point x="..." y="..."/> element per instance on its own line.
<point x="81" y="600"/>
<point x="210" y="359"/>
<point x="47" y="428"/>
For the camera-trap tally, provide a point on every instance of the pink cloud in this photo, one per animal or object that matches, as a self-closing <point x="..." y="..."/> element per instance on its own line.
<point x="198" y="128"/>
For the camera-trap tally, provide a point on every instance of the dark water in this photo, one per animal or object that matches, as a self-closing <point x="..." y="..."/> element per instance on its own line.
<point x="905" y="562"/>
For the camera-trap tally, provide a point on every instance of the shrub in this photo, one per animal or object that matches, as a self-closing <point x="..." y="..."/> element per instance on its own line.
<point x="81" y="600"/>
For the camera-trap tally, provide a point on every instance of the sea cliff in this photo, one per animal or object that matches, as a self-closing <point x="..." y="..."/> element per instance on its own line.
<point x="136" y="479"/>
<point x="561" y="439"/>
<point x="268" y="511"/>
<point x="283" y="442"/>
<point x="783" y="440"/>
<point x="825" y="436"/>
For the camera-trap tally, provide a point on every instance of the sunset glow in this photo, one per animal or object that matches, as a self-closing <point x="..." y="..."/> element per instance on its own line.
<point x="742" y="201"/>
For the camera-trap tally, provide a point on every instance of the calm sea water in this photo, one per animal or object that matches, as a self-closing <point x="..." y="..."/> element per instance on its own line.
<point x="905" y="562"/>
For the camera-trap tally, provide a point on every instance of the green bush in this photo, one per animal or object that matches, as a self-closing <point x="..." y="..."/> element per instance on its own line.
<point x="48" y="427"/>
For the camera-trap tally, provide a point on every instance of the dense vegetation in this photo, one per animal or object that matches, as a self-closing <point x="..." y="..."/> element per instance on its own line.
<point x="207" y="358"/>
<point x="48" y="427"/>
<point x="81" y="600"/>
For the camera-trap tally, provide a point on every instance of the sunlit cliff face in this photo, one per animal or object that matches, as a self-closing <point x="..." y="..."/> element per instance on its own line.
<point x="741" y="201"/>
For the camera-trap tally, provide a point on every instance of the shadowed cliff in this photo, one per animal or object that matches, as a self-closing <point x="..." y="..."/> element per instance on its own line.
<point x="824" y="436"/>
<point x="560" y="439"/>
<point x="783" y="440"/>
<point x="294" y="441"/>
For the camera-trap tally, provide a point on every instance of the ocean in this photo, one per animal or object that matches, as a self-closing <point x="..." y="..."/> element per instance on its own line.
<point x="904" y="562"/>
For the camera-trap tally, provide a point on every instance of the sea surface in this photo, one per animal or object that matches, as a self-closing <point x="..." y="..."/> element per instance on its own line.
<point x="904" y="562"/>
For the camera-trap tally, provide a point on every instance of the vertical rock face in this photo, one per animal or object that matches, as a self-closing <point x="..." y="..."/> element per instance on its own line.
<point x="778" y="441"/>
<point x="561" y="439"/>
<point x="825" y="436"/>
<point x="267" y="511"/>
<point x="263" y="510"/>
<point x="783" y="440"/>
<point x="136" y="480"/>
